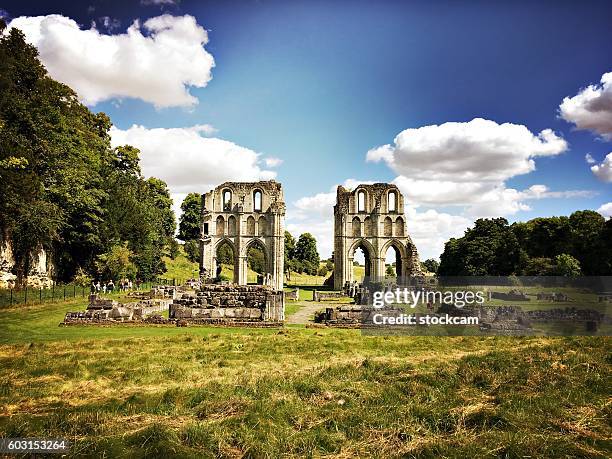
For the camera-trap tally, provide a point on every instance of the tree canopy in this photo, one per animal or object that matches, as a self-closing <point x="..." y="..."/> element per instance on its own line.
<point x="64" y="189"/>
<point x="567" y="246"/>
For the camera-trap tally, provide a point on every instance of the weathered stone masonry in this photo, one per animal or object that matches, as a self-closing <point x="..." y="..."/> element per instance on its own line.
<point x="371" y="217"/>
<point x="244" y="215"/>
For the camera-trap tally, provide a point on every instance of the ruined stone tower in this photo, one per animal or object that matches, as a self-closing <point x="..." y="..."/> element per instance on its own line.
<point x="371" y="217"/>
<point x="244" y="215"/>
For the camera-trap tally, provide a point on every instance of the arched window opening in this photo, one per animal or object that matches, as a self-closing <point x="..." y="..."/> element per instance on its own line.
<point x="388" y="227"/>
<point x="368" y="227"/>
<point x="250" y="226"/>
<point x="225" y="262"/>
<point x="399" y="226"/>
<point x="393" y="263"/>
<point x="256" y="264"/>
<point x="262" y="226"/>
<point x="257" y="201"/>
<point x="392" y="201"/>
<point x="361" y="264"/>
<point x="227" y="200"/>
<point x="361" y="201"/>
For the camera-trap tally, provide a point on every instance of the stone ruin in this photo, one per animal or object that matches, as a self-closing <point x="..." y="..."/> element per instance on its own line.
<point x="241" y="215"/>
<point x="293" y="295"/>
<point x="371" y="217"/>
<point x="105" y="310"/>
<point x="40" y="268"/>
<point x="214" y="304"/>
<point x="230" y="304"/>
<point x="501" y="319"/>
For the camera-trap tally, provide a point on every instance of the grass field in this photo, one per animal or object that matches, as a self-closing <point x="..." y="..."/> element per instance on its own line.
<point x="218" y="392"/>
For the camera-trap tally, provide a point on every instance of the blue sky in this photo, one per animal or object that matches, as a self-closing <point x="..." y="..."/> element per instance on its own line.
<point x="319" y="84"/>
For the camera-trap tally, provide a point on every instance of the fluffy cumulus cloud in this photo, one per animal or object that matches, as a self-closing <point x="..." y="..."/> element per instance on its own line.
<point x="478" y="150"/>
<point x="589" y="159"/>
<point x="187" y="161"/>
<point x="157" y="61"/>
<point x="606" y="210"/>
<point x="603" y="171"/>
<point x="591" y="108"/>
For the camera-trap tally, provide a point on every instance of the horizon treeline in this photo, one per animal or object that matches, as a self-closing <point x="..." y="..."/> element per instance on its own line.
<point x="580" y="244"/>
<point x="64" y="189"/>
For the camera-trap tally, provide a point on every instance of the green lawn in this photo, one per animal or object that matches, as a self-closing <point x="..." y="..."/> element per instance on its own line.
<point x="294" y="392"/>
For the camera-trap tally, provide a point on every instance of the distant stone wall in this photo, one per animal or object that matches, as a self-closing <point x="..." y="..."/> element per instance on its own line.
<point x="324" y="296"/>
<point x="103" y="309"/>
<point x="231" y="302"/>
<point x="293" y="295"/>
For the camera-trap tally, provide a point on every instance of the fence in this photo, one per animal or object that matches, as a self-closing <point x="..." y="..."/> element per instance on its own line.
<point x="64" y="292"/>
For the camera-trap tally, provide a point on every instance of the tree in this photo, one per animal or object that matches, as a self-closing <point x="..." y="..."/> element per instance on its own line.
<point x="189" y="224"/>
<point x="390" y="271"/>
<point x="306" y="250"/>
<point x="116" y="263"/>
<point x="192" y="250"/>
<point x="430" y="265"/>
<point x="489" y="248"/>
<point x="587" y="245"/>
<point x="566" y="265"/>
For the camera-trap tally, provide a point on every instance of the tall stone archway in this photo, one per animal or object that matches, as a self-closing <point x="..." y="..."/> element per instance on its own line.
<point x="371" y="216"/>
<point x="244" y="214"/>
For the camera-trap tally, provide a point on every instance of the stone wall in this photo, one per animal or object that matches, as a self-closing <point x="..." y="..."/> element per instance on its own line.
<point x="231" y="302"/>
<point x="293" y="295"/>
<point x="104" y="308"/>
<point x="234" y="217"/>
<point x="324" y="296"/>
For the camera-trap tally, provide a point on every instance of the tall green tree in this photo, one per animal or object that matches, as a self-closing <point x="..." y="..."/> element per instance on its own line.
<point x="189" y="222"/>
<point x="489" y="248"/>
<point x="306" y="250"/>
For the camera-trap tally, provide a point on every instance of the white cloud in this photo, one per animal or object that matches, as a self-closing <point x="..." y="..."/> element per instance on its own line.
<point x="589" y="159"/>
<point x="591" y="108"/>
<point x="156" y="62"/>
<point x="188" y="162"/>
<point x="606" y="210"/>
<point x="272" y="162"/>
<point x="431" y="229"/>
<point x="603" y="171"/>
<point x="475" y="151"/>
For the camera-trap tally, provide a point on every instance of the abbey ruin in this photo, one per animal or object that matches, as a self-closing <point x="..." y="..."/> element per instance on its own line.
<point x="371" y="217"/>
<point x="243" y="215"/>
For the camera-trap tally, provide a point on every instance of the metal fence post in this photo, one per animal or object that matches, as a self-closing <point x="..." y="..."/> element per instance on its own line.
<point x="26" y="294"/>
<point x="64" y="293"/>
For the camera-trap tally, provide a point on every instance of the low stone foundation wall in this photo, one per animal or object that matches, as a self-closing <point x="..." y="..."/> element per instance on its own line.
<point x="326" y="296"/>
<point x="231" y="302"/>
<point x="107" y="309"/>
<point x="293" y="295"/>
